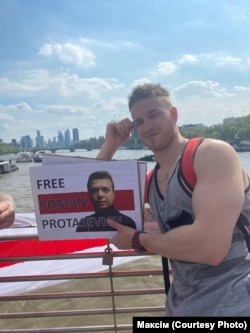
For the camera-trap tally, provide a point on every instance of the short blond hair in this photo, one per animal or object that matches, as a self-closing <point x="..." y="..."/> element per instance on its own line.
<point x="148" y="90"/>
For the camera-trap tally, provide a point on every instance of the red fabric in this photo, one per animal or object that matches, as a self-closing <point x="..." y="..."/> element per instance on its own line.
<point x="187" y="161"/>
<point x="35" y="247"/>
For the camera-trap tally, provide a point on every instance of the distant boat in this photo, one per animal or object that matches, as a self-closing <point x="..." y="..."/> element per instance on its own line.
<point x="38" y="156"/>
<point x="241" y="148"/>
<point x="24" y="157"/>
<point x="7" y="166"/>
<point x="148" y="158"/>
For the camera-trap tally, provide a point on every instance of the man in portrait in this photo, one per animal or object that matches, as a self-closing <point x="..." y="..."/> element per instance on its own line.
<point x="101" y="191"/>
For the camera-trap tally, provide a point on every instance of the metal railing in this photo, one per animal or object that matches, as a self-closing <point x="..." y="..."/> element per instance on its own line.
<point x="104" y="301"/>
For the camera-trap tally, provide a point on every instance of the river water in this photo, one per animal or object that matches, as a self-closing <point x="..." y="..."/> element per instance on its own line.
<point x="17" y="184"/>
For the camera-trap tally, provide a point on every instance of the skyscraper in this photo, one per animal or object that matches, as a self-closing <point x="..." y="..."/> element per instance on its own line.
<point x="67" y="138"/>
<point x="75" y="133"/>
<point x="60" y="139"/>
<point x="39" y="140"/>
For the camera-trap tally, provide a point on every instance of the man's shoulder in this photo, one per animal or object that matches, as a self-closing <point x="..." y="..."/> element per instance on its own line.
<point x="215" y="148"/>
<point x="123" y="215"/>
<point x="127" y="220"/>
<point x="88" y="216"/>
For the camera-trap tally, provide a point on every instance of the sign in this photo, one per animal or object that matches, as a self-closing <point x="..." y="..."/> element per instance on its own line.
<point x="65" y="207"/>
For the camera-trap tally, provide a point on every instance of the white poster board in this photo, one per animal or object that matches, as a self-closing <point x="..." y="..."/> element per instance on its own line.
<point x="62" y="201"/>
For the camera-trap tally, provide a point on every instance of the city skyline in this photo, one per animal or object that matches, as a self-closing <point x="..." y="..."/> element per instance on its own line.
<point x="76" y="136"/>
<point x="59" y="140"/>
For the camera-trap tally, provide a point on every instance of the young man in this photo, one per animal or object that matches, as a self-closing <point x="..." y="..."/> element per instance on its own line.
<point x="7" y="211"/>
<point x="207" y="252"/>
<point x="102" y="195"/>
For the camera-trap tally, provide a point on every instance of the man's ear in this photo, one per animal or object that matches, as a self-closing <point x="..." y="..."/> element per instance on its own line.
<point x="174" y="113"/>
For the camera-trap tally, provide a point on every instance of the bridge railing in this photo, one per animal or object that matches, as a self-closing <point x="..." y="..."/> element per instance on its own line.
<point x="103" y="301"/>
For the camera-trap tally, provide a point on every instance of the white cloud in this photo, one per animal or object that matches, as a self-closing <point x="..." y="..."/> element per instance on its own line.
<point x="166" y="68"/>
<point x="241" y="89"/>
<point x="140" y="81"/>
<point x="20" y="107"/>
<point x="68" y="53"/>
<point x="188" y="59"/>
<point x="217" y="59"/>
<point x="114" y="44"/>
<point x="6" y="117"/>
<point x="229" y="60"/>
<point x="46" y="83"/>
<point x="208" y="88"/>
<point x="63" y="109"/>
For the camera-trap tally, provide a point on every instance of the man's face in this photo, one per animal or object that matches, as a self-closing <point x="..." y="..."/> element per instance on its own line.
<point x="101" y="193"/>
<point x="155" y="122"/>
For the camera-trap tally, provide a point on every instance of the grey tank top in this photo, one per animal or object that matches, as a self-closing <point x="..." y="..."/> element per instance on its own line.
<point x="199" y="289"/>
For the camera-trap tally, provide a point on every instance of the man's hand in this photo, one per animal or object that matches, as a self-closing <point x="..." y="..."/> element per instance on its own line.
<point x="117" y="132"/>
<point x="7" y="214"/>
<point x="124" y="237"/>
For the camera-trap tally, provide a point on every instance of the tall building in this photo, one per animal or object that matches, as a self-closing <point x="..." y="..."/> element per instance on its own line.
<point x="60" y="139"/>
<point x="39" y="140"/>
<point x="67" y="138"/>
<point x="26" y="142"/>
<point x="75" y="133"/>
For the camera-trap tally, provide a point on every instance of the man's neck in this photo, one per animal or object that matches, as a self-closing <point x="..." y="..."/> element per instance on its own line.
<point x="105" y="211"/>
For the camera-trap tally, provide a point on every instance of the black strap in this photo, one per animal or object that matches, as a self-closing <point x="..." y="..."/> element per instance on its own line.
<point x="166" y="278"/>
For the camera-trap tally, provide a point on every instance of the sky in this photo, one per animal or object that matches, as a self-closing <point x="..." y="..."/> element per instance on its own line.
<point x="68" y="64"/>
